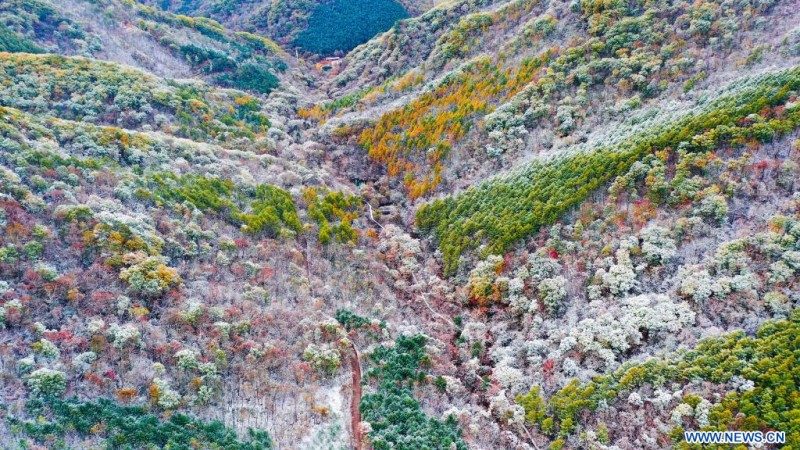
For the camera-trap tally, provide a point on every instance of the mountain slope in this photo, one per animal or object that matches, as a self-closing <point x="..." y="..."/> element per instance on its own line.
<point x="166" y="44"/>
<point x="302" y="22"/>
<point x="498" y="224"/>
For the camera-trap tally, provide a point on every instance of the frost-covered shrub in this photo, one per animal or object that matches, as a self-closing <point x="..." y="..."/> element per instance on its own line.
<point x="115" y="216"/>
<point x="635" y="399"/>
<point x="681" y="411"/>
<point x="745" y="282"/>
<point x="482" y="286"/>
<point x="620" y="277"/>
<point x="792" y="259"/>
<point x="565" y="117"/>
<point x="453" y="386"/>
<point x="506" y="411"/>
<point x="47" y="382"/>
<point x="570" y="367"/>
<point x="540" y="267"/>
<point x="732" y="257"/>
<point x="39" y="327"/>
<point x="517" y="300"/>
<point x="187" y="359"/>
<point x="509" y="377"/>
<point x="46" y="349"/>
<point x="123" y="303"/>
<point x="83" y="361"/>
<point x="552" y="292"/>
<point x="192" y="313"/>
<point x="773" y="243"/>
<point x="46" y="271"/>
<point x="543" y="274"/>
<point x="401" y="249"/>
<point x="701" y="412"/>
<point x="159" y="368"/>
<point x="697" y="283"/>
<point x="148" y="275"/>
<point x="594" y="292"/>
<point x="780" y="272"/>
<point x="474" y="331"/>
<point x="661" y="399"/>
<point x="323" y="358"/>
<point x="713" y="207"/>
<point x="791" y="42"/>
<point x="204" y="395"/>
<point x="26" y="364"/>
<point x="208" y="370"/>
<point x="788" y="173"/>
<point x="9" y="254"/>
<point x="608" y="331"/>
<point x="687" y="226"/>
<point x="123" y="335"/>
<point x="510" y="140"/>
<point x="658" y="246"/>
<point x="167" y="398"/>
<point x="742" y="384"/>
<point x="223" y="327"/>
<point x="778" y="303"/>
<point x="95" y="325"/>
<point x="255" y="293"/>
<point x="12" y="308"/>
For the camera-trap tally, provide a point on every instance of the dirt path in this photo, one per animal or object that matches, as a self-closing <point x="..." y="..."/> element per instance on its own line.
<point x="355" y="410"/>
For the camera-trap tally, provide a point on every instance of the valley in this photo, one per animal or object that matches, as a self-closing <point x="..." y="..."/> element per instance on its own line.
<point x="461" y="224"/>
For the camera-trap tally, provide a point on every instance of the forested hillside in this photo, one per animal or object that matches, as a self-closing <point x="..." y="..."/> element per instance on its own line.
<point x="466" y="224"/>
<point x="316" y="26"/>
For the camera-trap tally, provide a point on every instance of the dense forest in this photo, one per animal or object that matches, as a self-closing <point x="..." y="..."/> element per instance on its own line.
<point x="341" y="25"/>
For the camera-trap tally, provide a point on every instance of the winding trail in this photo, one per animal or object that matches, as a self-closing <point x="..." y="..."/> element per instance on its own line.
<point x="355" y="410"/>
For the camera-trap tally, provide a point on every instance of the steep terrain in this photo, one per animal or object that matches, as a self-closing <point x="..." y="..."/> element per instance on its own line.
<point x="497" y="224"/>
<point x="312" y="25"/>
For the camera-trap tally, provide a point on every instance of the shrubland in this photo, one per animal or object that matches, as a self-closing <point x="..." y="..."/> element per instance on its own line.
<point x="204" y="241"/>
<point x="495" y="106"/>
<point x="500" y="211"/>
<point x="762" y="361"/>
<point x="36" y="26"/>
<point x="77" y="89"/>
